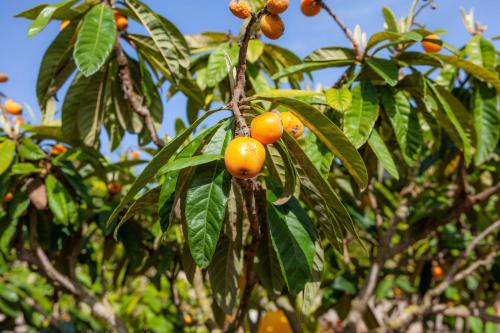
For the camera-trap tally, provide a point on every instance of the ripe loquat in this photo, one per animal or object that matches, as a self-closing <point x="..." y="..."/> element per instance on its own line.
<point x="272" y="26"/>
<point x="58" y="149"/>
<point x="310" y="7"/>
<point x="277" y="6"/>
<point x="437" y="272"/>
<point x="13" y="107"/>
<point x="188" y="320"/>
<point x="114" y="187"/>
<point x="266" y="128"/>
<point x="244" y="157"/>
<point x="292" y="124"/>
<point x="3" y="78"/>
<point x="8" y="197"/>
<point x="121" y="22"/>
<point x="274" y="321"/>
<point x="135" y="155"/>
<point x="64" y="24"/>
<point x="432" y="43"/>
<point x="240" y="9"/>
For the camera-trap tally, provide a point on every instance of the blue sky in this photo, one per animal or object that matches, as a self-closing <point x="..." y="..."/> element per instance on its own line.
<point x="20" y="57"/>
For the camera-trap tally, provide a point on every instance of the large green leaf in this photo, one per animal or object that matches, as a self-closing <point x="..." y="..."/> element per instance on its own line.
<point x="29" y="150"/>
<point x="339" y="99"/>
<point x="289" y="176"/>
<point x="390" y="20"/>
<point x="329" y="134"/>
<point x="187" y="162"/>
<point x="404" y="122"/>
<point x="54" y="61"/>
<point x="217" y="68"/>
<point x="83" y="108"/>
<point x="293" y="239"/>
<point x="8" y="229"/>
<point x="330" y="54"/>
<point x="96" y="39"/>
<point x="486" y="112"/>
<point x="309" y="67"/>
<point x="386" y="69"/>
<point x="7" y="150"/>
<point x="482" y="52"/>
<point x="167" y="39"/>
<point x="378" y="37"/>
<point x="60" y="203"/>
<point x="360" y="117"/>
<point x="45" y="16"/>
<point x="382" y="152"/>
<point x="206" y="201"/>
<point x="160" y="159"/>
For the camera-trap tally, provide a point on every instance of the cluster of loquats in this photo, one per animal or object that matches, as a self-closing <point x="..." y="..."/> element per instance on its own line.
<point x="245" y="156"/>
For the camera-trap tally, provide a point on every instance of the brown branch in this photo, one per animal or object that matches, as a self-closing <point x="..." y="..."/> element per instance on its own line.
<point x="344" y="28"/>
<point x="38" y="258"/>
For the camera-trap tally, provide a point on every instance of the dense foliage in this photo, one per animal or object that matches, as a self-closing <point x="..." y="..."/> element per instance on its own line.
<point x="382" y="215"/>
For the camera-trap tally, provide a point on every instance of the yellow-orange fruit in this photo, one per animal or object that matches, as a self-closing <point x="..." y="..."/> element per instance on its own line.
<point x="240" y="9"/>
<point x="135" y="155"/>
<point x="8" y="197"/>
<point x="188" y="319"/>
<point x="244" y="157"/>
<point x="114" y="187"/>
<point x="398" y="292"/>
<point x="292" y="124"/>
<point x="272" y="26"/>
<point x="277" y="6"/>
<point x="64" y="24"/>
<point x="3" y="78"/>
<point x="274" y="321"/>
<point x="121" y="22"/>
<point x="58" y="149"/>
<point x="266" y="128"/>
<point x="432" y="43"/>
<point x="310" y="7"/>
<point x="13" y="107"/>
<point x="437" y="271"/>
<point x="229" y="318"/>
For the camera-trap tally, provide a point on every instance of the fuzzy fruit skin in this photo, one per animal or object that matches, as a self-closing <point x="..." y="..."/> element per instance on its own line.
<point x="244" y="157"/>
<point x="13" y="107"/>
<point x="64" y="24"/>
<point x="309" y="8"/>
<point x="3" y="78"/>
<point x="277" y="6"/>
<point x="272" y="26"/>
<point x="274" y="321"/>
<point x="8" y="197"/>
<point x="58" y="149"/>
<point x="429" y="46"/>
<point x="266" y="128"/>
<point x="135" y="155"/>
<point x="240" y="9"/>
<point x="292" y="124"/>
<point x="437" y="271"/>
<point x="121" y="22"/>
<point x="114" y="187"/>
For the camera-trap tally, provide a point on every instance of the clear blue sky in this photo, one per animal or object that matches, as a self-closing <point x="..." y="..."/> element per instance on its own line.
<point x="20" y="57"/>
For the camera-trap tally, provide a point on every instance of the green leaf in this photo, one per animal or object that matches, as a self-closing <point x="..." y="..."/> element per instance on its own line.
<point x="331" y="54"/>
<point x="330" y="135"/>
<point x="268" y="266"/>
<point x="206" y="201"/>
<point x="312" y="287"/>
<point x="45" y="16"/>
<point x="217" y="68"/>
<point x="390" y="20"/>
<point x="378" y="37"/>
<point x="187" y="162"/>
<point x="46" y="132"/>
<point x="471" y="68"/>
<point x="150" y="198"/>
<point x="418" y="58"/>
<point x="255" y="49"/>
<point x="17" y="207"/>
<point x="7" y="150"/>
<point x="486" y="106"/>
<point x="160" y="159"/>
<point x="166" y="37"/>
<point x="30" y="151"/>
<point x="293" y="239"/>
<point x="404" y="122"/>
<point x="290" y="175"/>
<point x="24" y="169"/>
<point x="83" y="109"/>
<point x="382" y="152"/>
<point x="481" y="52"/>
<point x="57" y="58"/>
<point x="362" y="114"/>
<point x="386" y="69"/>
<point x="339" y="99"/>
<point x="60" y="203"/>
<point x="309" y="67"/>
<point x="320" y="186"/>
<point x="96" y="39"/>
